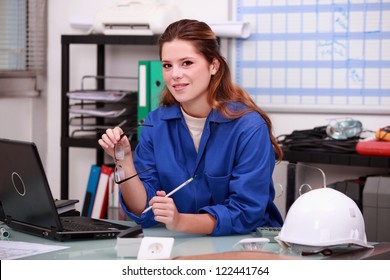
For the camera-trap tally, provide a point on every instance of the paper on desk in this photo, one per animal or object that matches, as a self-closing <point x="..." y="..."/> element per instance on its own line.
<point x="11" y="250"/>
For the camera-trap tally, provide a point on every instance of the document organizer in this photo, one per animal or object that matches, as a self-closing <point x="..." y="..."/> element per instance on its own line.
<point x="93" y="111"/>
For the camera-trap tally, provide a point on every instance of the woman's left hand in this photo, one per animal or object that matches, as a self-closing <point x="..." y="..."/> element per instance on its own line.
<point x="165" y="211"/>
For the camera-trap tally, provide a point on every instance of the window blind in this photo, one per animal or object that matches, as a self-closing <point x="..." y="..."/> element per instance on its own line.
<point x="23" y="29"/>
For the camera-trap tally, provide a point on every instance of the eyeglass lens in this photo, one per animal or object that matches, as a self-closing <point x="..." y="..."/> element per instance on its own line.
<point x="119" y="152"/>
<point x="119" y="173"/>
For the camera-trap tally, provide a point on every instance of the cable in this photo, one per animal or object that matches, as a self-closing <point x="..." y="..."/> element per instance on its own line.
<point x="316" y="139"/>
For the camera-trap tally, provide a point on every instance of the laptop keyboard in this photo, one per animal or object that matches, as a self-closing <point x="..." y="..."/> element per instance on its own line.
<point x="69" y="225"/>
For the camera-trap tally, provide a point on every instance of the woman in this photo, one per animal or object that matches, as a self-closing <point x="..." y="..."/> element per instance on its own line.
<point x="208" y="129"/>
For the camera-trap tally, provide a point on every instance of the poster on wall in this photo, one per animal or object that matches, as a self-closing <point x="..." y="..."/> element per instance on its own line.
<point x="315" y="55"/>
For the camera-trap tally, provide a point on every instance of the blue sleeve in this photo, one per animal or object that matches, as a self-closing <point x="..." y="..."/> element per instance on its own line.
<point x="251" y="191"/>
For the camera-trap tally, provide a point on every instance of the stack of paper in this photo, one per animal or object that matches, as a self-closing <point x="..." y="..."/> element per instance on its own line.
<point x="94" y="95"/>
<point x="98" y="112"/>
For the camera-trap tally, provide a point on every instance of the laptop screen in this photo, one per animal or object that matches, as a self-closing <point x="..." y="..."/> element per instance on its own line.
<point x="24" y="191"/>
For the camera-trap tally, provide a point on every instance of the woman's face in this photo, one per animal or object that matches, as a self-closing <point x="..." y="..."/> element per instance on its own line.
<point x="187" y="74"/>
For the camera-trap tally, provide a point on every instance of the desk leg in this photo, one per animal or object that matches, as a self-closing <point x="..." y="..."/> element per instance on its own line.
<point x="290" y="192"/>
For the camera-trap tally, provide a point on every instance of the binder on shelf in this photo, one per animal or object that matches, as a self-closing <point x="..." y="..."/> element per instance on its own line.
<point x="91" y="191"/>
<point x="113" y="192"/>
<point x="150" y="85"/>
<point x="99" y="209"/>
<point x="156" y="83"/>
<point x="114" y="210"/>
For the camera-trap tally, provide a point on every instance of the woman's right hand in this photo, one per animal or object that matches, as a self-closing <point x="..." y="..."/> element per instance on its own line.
<point x="111" y="138"/>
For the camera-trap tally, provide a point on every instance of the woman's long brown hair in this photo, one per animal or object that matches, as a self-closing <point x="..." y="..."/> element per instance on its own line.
<point x="222" y="90"/>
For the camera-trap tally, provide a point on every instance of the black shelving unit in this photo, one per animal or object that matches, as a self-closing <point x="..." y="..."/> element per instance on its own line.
<point x="309" y="156"/>
<point x="86" y="142"/>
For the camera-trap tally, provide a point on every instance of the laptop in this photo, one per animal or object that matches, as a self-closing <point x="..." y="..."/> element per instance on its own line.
<point x="28" y="204"/>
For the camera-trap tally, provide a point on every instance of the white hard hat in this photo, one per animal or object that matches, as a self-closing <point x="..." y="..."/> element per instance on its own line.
<point x="322" y="218"/>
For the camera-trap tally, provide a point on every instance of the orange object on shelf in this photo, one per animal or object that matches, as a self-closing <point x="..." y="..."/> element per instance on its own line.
<point x="383" y="134"/>
<point x="373" y="148"/>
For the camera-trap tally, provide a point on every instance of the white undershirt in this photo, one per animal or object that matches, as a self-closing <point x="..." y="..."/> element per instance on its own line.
<point x="195" y="126"/>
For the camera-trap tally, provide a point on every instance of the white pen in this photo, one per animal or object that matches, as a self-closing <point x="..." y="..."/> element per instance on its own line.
<point x="172" y="192"/>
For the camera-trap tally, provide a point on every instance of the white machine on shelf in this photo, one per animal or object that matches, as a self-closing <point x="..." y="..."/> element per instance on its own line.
<point x="135" y="17"/>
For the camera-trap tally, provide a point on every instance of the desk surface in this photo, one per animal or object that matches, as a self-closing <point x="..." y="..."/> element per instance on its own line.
<point x="191" y="247"/>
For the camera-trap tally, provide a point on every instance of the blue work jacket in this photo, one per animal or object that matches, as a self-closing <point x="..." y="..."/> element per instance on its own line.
<point x="232" y="168"/>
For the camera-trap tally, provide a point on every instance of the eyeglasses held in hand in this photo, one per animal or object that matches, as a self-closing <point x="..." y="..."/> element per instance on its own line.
<point x="119" y="155"/>
<point x="119" y="174"/>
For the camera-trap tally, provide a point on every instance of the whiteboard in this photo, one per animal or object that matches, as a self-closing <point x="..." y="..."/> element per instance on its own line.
<point x="315" y="56"/>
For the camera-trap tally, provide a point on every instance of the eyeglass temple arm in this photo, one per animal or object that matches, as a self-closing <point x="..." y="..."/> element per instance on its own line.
<point x="131" y="177"/>
<point x="134" y="127"/>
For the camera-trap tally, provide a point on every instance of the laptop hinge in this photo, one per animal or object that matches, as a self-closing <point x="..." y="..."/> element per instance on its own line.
<point x="44" y="232"/>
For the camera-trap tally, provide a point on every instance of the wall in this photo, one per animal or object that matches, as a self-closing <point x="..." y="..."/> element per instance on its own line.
<point x="24" y="119"/>
<point x="20" y="118"/>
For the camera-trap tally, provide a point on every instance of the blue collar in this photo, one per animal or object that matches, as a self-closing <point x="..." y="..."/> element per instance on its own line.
<point x="174" y="112"/>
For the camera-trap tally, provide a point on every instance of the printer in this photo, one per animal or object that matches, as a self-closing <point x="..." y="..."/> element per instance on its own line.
<point x="136" y="17"/>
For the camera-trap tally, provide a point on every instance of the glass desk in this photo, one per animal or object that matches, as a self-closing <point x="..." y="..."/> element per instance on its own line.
<point x="191" y="247"/>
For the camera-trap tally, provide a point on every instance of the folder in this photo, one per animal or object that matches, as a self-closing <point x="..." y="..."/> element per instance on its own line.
<point x="156" y="83"/>
<point x="150" y="85"/>
<point x="91" y="190"/>
<point x="99" y="209"/>
<point x="113" y="192"/>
